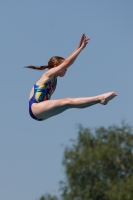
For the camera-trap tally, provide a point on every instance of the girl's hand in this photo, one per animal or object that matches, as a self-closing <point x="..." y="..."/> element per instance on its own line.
<point x="83" y="41"/>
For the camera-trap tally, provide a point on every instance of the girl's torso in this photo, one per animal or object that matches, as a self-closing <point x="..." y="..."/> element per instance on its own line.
<point x="43" y="91"/>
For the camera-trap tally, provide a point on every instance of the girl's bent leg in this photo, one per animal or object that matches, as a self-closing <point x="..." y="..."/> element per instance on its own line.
<point x="50" y="108"/>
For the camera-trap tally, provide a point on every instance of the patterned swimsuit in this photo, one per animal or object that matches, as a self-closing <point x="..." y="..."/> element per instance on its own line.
<point x="42" y="93"/>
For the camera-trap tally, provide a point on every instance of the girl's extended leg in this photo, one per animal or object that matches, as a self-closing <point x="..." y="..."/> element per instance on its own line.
<point x="50" y="108"/>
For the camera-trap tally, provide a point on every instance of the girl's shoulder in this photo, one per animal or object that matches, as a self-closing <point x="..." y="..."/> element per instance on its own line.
<point x="44" y="80"/>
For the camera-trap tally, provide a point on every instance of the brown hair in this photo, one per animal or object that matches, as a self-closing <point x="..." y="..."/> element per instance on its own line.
<point x="55" y="60"/>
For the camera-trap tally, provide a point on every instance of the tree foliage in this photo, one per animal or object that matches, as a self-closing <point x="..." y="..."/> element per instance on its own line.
<point x="99" y="165"/>
<point x="48" y="197"/>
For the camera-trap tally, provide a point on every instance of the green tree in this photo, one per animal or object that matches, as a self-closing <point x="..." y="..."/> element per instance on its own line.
<point x="48" y="197"/>
<point x="99" y="165"/>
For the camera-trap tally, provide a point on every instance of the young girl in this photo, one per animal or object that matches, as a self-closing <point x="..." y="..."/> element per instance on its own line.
<point x="41" y="107"/>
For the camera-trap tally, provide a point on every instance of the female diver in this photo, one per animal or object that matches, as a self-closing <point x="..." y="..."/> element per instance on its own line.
<point x="41" y="107"/>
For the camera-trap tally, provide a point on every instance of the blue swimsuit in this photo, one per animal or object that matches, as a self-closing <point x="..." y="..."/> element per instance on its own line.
<point x="42" y="93"/>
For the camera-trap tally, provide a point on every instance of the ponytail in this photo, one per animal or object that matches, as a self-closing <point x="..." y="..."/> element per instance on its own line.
<point x="37" y="67"/>
<point x="55" y="60"/>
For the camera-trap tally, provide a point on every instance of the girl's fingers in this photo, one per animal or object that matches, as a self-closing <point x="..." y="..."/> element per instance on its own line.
<point x="87" y="38"/>
<point x="81" y="39"/>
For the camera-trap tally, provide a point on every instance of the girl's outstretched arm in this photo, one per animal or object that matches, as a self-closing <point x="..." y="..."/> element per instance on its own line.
<point x="81" y="40"/>
<point x="70" y="59"/>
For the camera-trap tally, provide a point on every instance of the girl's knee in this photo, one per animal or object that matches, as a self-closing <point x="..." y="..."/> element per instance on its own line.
<point x="67" y="101"/>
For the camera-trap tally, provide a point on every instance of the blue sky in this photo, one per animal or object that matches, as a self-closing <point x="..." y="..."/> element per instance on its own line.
<point x="32" y="31"/>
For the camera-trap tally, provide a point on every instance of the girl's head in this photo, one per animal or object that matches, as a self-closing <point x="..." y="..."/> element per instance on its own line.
<point x="53" y="62"/>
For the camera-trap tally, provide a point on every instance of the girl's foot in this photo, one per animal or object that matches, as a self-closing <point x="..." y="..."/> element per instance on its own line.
<point x="105" y="98"/>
